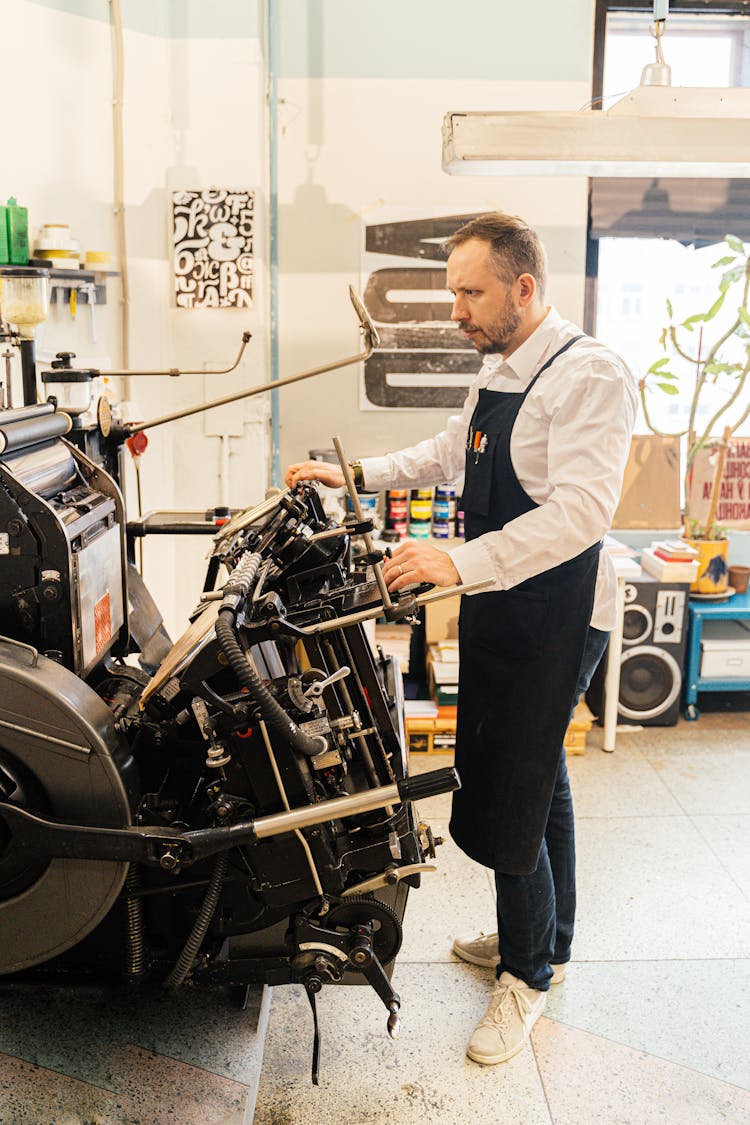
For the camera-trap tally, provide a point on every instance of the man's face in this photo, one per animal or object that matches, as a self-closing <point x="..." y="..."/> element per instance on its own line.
<point x="486" y="309"/>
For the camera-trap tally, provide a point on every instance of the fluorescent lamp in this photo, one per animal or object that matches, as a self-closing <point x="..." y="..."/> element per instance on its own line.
<point x="652" y="131"/>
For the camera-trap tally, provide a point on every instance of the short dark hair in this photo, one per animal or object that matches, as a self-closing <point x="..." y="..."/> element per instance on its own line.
<point x="516" y="248"/>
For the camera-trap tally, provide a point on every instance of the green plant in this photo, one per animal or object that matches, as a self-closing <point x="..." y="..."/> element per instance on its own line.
<point x="711" y="364"/>
<point x="695" y="530"/>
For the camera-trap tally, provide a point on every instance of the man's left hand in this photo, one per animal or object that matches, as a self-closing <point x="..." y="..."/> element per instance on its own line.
<point x="414" y="562"/>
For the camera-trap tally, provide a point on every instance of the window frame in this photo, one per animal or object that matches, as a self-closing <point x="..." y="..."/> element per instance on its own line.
<point x="603" y="9"/>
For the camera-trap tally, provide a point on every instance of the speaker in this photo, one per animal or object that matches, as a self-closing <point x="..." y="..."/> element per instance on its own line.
<point x="653" y="655"/>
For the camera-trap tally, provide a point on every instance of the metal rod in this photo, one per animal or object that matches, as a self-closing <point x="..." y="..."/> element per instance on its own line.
<point x="284" y="800"/>
<point x="451" y="591"/>
<point x="348" y="477"/>
<point x="261" y="388"/>
<point x="173" y="371"/>
<point x="244" y="519"/>
<point x="272" y="95"/>
<point x="337" y="807"/>
<point x="377" y="610"/>
<point x="332" y="533"/>
<point x="355" y="735"/>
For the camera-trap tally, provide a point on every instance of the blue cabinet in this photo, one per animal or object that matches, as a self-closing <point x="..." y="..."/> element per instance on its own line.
<point x="735" y="608"/>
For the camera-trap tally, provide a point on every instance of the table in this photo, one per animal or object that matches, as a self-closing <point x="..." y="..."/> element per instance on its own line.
<point x="627" y="570"/>
<point x="735" y="608"/>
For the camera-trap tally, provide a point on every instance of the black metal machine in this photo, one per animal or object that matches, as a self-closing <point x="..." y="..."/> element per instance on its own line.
<point x="245" y="814"/>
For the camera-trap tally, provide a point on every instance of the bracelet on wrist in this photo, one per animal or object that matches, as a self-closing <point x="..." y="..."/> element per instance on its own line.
<point x="357" y="473"/>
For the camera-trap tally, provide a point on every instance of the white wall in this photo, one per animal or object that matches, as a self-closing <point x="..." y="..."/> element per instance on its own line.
<point x="194" y="118"/>
<point x="363" y="87"/>
<point x="363" y="101"/>
<point x="399" y="126"/>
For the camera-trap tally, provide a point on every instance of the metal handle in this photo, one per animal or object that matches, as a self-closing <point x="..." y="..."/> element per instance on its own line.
<point x="317" y="688"/>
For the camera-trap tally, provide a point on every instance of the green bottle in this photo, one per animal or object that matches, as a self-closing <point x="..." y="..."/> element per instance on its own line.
<point x="18" y="233"/>
<point x="4" y="251"/>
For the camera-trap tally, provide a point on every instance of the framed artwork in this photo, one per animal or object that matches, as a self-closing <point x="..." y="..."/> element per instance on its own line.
<point x="212" y="238"/>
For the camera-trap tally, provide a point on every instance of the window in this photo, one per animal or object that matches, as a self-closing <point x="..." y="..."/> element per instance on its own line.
<point x="656" y="240"/>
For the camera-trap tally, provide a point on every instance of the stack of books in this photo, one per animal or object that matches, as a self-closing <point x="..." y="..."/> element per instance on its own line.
<point x="442" y="672"/>
<point x="671" y="560"/>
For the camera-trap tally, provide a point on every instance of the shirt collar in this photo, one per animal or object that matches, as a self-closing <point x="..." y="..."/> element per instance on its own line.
<point x="526" y="360"/>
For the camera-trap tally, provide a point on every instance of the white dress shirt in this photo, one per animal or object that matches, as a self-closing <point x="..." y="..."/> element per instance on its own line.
<point x="569" y="446"/>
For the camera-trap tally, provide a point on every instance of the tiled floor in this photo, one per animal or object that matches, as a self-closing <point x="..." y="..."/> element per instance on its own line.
<point x="88" y="1058"/>
<point x="652" y="1024"/>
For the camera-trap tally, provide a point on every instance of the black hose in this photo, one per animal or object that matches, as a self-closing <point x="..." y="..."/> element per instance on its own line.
<point x="184" y="962"/>
<point x="273" y="713"/>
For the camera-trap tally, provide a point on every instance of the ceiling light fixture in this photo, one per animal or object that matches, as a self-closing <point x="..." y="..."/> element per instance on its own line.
<point x="655" y="130"/>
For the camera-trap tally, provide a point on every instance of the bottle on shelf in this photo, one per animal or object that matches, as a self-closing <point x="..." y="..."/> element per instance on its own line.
<point x="420" y="513"/>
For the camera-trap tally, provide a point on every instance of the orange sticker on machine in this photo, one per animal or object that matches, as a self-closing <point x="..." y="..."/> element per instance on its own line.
<point x="102" y="622"/>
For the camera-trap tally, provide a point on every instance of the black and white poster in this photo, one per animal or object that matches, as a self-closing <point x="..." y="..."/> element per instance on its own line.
<point x="213" y="232"/>
<point x="424" y="361"/>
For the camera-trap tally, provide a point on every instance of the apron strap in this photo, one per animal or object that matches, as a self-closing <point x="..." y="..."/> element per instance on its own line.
<point x="551" y="360"/>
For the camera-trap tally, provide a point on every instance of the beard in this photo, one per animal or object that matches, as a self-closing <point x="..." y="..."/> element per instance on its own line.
<point x="498" y="335"/>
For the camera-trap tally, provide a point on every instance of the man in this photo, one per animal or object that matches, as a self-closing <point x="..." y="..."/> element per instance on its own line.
<point x="543" y="439"/>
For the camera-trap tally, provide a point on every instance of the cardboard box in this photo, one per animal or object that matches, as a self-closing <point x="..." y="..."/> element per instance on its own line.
<point x="441" y="620"/>
<point x="650" y="495"/>
<point x="725" y="650"/>
<point x="575" y="736"/>
<point x="433" y="736"/>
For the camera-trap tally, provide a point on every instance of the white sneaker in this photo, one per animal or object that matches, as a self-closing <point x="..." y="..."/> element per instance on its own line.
<point x="484" y="951"/>
<point x="506" y="1025"/>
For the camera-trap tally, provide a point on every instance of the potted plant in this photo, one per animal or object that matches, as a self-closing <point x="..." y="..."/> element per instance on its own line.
<point x="714" y="359"/>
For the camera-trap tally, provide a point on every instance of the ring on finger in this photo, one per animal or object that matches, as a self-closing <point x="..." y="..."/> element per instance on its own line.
<point x="400" y="569"/>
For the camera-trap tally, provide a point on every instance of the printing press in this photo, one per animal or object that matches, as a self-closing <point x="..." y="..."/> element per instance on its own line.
<point x="240" y="814"/>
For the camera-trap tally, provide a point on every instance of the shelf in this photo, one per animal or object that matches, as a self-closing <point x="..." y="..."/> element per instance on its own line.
<point x="80" y="280"/>
<point x="735" y="608"/>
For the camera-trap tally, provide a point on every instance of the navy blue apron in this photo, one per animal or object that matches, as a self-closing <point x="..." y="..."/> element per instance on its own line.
<point x="520" y="651"/>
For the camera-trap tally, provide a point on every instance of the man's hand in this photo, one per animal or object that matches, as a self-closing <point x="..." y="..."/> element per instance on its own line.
<point x="419" y="562"/>
<point x="314" y="470"/>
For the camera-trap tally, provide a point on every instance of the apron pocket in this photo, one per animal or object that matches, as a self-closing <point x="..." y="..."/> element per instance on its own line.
<point x="511" y="623"/>
<point x="479" y="476"/>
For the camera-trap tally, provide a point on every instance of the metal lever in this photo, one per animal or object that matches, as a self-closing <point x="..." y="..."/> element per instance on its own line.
<point x="357" y="507"/>
<point x="317" y="688"/>
<point x="312" y="986"/>
<point x="375" y="975"/>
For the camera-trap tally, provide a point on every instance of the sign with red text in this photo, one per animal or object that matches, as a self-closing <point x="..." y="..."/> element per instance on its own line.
<point x="213" y="248"/>
<point x="733" y="507"/>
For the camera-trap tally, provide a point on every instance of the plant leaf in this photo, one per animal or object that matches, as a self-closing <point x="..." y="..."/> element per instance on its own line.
<point x="744" y="315"/>
<point x="733" y="275"/>
<point x="716" y="368"/>
<point x="697" y="318"/>
<point x="663" y="339"/>
<point x="734" y="243"/>
<point x="669" y="309"/>
<point x="725" y="261"/>
<point x="715" y="307"/>
<point x="668" y="388"/>
<point x="657" y="364"/>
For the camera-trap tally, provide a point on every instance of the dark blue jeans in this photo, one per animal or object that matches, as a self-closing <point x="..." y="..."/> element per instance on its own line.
<point x="536" y="913"/>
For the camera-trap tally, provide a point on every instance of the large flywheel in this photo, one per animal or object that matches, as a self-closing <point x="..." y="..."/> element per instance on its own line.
<point x="59" y="756"/>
